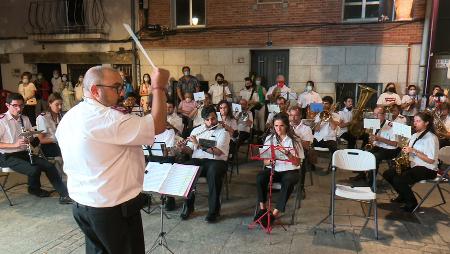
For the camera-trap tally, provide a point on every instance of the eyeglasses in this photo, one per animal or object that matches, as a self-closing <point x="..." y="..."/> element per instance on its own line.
<point x="119" y="88"/>
<point x="17" y="105"/>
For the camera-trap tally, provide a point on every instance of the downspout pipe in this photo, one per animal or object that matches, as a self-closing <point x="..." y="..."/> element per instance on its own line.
<point x="434" y="20"/>
<point x="133" y="46"/>
<point x="424" y="48"/>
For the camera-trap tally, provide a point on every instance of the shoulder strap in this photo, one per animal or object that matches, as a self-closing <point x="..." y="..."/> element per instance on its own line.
<point x="251" y="95"/>
<point x="420" y="137"/>
<point x="381" y="127"/>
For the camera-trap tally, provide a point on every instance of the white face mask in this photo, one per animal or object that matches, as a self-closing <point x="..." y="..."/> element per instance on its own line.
<point x="64" y="79"/>
<point x="56" y="75"/>
<point x="146" y="79"/>
<point x="25" y="81"/>
<point x="39" y="77"/>
<point x="309" y="88"/>
<point x="412" y="92"/>
<point x="187" y="73"/>
<point x="258" y="82"/>
<point x="442" y="98"/>
<point x="80" y="80"/>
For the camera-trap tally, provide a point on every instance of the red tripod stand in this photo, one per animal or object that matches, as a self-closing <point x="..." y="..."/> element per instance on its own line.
<point x="272" y="153"/>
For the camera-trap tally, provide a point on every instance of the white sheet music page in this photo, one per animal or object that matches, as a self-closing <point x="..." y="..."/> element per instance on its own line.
<point x="156" y="174"/>
<point x="179" y="180"/>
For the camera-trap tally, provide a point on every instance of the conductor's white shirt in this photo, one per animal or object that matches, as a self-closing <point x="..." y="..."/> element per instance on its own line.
<point x="102" y="152"/>
<point x="429" y="145"/>
<point x="219" y="134"/>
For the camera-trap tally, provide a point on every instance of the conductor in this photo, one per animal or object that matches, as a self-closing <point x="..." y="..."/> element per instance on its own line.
<point x="104" y="161"/>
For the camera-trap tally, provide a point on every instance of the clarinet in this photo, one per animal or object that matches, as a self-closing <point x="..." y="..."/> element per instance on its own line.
<point x="30" y="154"/>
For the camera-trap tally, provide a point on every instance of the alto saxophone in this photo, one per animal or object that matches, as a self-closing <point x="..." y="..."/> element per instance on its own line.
<point x="401" y="162"/>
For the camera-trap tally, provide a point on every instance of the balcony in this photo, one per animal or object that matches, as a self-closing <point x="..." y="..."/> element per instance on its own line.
<point x="66" y="20"/>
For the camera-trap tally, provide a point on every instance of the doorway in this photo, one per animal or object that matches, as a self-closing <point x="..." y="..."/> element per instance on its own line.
<point x="270" y="63"/>
<point x="47" y="69"/>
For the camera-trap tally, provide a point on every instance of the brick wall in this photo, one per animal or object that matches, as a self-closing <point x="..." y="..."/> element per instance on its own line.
<point x="300" y="22"/>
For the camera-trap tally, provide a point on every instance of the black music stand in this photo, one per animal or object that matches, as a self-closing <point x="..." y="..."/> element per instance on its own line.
<point x="272" y="156"/>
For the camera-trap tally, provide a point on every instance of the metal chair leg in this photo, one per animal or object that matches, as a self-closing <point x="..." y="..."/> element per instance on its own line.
<point x="6" y="195"/>
<point x="422" y="200"/>
<point x="442" y="194"/>
<point x="376" y="218"/>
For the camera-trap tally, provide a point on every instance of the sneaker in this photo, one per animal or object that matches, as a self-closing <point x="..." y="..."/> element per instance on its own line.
<point x="39" y="192"/>
<point x="170" y="204"/>
<point x="66" y="200"/>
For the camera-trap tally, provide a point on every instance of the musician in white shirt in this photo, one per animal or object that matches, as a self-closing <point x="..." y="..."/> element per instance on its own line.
<point x="389" y="97"/>
<point x="285" y="171"/>
<point x="198" y="120"/>
<point x="410" y="103"/>
<point x="423" y="152"/>
<point x="346" y="116"/>
<point x="326" y="131"/>
<point x="396" y="117"/>
<point x="173" y="120"/>
<point x="47" y="122"/>
<point x="304" y="132"/>
<point x="220" y="90"/>
<point x="282" y="104"/>
<point x="212" y="159"/>
<point x="104" y="161"/>
<point x="276" y="90"/>
<point x="444" y="136"/>
<point x="308" y="96"/>
<point x="244" y="122"/>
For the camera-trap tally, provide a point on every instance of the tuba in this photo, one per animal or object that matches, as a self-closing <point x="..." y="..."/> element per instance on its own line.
<point x="439" y="125"/>
<point x="356" y="125"/>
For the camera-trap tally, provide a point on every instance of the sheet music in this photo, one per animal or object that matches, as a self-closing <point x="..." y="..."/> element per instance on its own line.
<point x="401" y="129"/>
<point x="156" y="173"/>
<point x="236" y="107"/>
<point x="219" y="117"/>
<point x="289" y="95"/>
<point x="373" y="124"/>
<point x="200" y="96"/>
<point x="179" y="180"/>
<point x="273" y="108"/>
<point x="265" y="152"/>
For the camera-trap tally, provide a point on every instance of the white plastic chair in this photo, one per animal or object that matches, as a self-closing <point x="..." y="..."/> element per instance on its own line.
<point x="5" y="172"/>
<point x="444" y="156"/>
<point x="354" y="160"/>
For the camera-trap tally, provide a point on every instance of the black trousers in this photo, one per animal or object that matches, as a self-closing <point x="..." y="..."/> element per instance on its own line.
<point x="214" y="171"/>
<point x="380" y="155"/>
<point x="330" y="144"/>
<point x="243" y="136"/>
<point x="402" y="183"/>
<point x="351" y="140"/>
<point x="288" y="179"/>
<point x="51" y="150"/>
<point x="444" y="142"/>
<point x="20" y="162"/>
<point x="112" y="230"/>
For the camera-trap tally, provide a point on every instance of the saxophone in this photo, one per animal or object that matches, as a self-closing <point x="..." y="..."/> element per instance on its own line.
<point x="401" y="162"/>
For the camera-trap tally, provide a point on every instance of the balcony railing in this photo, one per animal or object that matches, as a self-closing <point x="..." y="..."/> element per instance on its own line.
<point x="52" y="17"/>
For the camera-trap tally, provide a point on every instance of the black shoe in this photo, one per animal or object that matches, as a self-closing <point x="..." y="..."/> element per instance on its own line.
<point x="211" y="218"/>
<point x="186" y="210"/>
<point x="259" y="214"/>
<point x="409" y="208"/>
<point x="66" y="200"/>
<point x="39" y="193"/>
<point x="170" y="204"/>
<point x="265" y="220"/>
<point x="398" y="200"/>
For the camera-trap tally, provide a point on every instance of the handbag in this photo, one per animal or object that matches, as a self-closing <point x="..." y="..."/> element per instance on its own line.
<point x="31" y="102"/>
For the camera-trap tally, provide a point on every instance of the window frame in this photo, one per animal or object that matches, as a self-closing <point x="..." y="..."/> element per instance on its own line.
<point x="190" y="26"/>
<point x="363" y="18"/>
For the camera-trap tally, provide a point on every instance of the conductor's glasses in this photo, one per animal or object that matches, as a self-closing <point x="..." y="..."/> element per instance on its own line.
<point x="118" y="87"/>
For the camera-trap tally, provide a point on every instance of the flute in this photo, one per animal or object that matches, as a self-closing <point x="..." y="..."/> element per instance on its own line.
<point x="184" y="141"/>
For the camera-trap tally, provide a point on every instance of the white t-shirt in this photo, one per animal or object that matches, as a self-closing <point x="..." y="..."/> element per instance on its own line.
<point x="412" y="108"/>
<point x="387" y="133"/>
<point x="284" y="89"/>
<point x="386" y="98"/>
<point x="307" y="98"/>
<point x="102" y="152"/>
<point x="346" y="116"/>
<point x="45" y="123"/>
<point x="280" y="165"/>
<point x="326" y="132"/>
<point x="429" y="145"/>
<point x="220" y="135"/>
<point x="304" y="132"/>
<point x="217" y="92"/>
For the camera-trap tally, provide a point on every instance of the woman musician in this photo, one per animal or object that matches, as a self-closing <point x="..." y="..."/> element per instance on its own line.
<point x="47" y="122"/>
<point x="423" y="151"/>
<point x="286" y="172"/>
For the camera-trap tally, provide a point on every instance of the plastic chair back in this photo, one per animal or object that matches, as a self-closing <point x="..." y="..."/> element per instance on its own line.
<point x="354" y="160"/>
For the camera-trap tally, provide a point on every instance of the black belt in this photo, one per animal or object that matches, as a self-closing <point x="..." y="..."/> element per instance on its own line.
<point x="127" y="207"/>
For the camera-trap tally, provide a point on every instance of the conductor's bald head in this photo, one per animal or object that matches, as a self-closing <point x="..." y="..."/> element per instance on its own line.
<point x="104" y="84"/>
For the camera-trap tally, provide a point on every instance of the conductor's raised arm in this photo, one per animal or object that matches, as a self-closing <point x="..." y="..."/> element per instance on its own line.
<point x="160" y="79"/>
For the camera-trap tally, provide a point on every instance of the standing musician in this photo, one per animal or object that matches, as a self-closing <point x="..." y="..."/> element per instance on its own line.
<point x="286" y="172"/>
<point x="444" y="135"/>
<point x="220" y="90"/>
<point x="384" y="143"/>
<point x="411" y="103"/>
<point x="325" y="131"/>
<point x="275" y="91"/>
<point x="346" y="117"/>
<point x="104" y="161"/>
<point x="423" y="152"/>
<point x="14" y="152"/>
<point x="308" y="96"/>
<point x="173" y="120"/>
<point x="389" y="96"/>
<point x="47" y="122"/>
<point x="211" y="159"/>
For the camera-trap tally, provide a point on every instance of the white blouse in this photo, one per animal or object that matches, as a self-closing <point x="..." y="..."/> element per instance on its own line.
<point x="429" y="145"/>
<point x="287" y="143"/>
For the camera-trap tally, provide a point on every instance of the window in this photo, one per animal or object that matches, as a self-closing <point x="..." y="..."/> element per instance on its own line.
<point x="361" y="10"/>
<point x="190" y="13"/>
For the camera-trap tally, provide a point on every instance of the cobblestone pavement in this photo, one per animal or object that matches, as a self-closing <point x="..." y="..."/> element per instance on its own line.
<point x="36" y="225"/>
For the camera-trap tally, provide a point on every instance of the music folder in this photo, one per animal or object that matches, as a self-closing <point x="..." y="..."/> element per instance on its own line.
<point x="169" y="179"/>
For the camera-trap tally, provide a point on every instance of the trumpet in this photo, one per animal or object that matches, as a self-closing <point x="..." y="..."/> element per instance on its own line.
<point x="23" y="130"/>
<point x="243" y="116"/>
<point x="326" y="115"/>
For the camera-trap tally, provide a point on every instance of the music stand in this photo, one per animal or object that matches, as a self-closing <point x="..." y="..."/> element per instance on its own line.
<point x="272" y="153"/>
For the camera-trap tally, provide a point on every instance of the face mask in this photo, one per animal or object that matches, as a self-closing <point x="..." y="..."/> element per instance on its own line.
<point x="187" y="73"/>
<point x="248" y="86"/>
<point x="258" y="82"/>
<point x="309" y="88"/>
<point x="25" y="81"/>
<point x="412" y="92"/>
<point x="280" y="84"/>
<point x="64" y="79"/>
<point x="220" y="82"/>
<point x="39" y="77"/>
<point x="391" y="89"/>
<point x="55" y="75"/>
<point x="442" y="99"/>
<point x="80" y="80"/>
<point x="146" y="79"/>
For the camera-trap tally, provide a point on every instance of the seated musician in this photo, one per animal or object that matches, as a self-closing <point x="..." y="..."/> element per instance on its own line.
<point x="283" y="105"/>
<point x="244" y="122"/>
<point x="173" y="120"/>
<point x="325" y="129"/>
<point x="346" y="117"/>
<point x="186" y="109"/>
<point x="286" y="172"/>
<point x="276" y="90"/>
<point x="444" y="133"/>
<point x="308" y="96"/>
<point x="211" y="159"/>
<point x="301" y="130"/>
<point x="384" y="143"/>
<point x="198" y="120"/>
<point x="423" y="152"/>
<point x="47" y="122"/>
<point x="229" y="123"/>
<point x="14" y="152"/>
<point x="396" y="117"/>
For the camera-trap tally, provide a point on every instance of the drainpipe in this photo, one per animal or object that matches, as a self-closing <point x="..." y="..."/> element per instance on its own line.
<point x="133" y="46"/>
<point x="434" y="20"/>
<point x="424" y="48"/>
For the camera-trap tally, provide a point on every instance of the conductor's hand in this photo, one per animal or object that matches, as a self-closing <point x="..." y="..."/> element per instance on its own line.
<point x="160" y="78"/>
